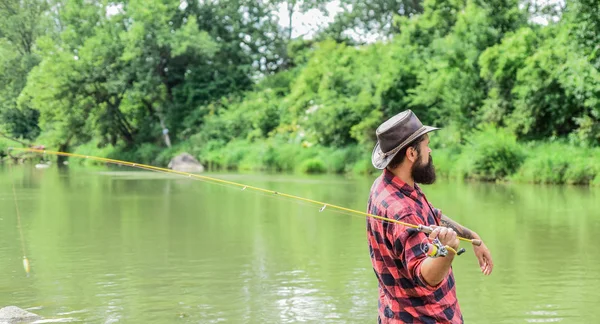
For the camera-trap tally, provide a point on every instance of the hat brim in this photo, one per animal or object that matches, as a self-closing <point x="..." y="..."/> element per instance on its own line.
<point x="381" y="162"/>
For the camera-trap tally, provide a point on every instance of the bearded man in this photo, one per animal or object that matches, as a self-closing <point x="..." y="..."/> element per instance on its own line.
<point x="413" y="287"/>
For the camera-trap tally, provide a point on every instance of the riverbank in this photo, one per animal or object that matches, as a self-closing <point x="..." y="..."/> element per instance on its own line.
<point x="490" y="154"/>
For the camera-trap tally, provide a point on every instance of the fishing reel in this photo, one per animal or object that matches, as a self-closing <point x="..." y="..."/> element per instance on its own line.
<point x="436" y="249"/>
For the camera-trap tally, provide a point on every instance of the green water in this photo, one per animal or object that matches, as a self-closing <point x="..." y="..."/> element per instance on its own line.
<point x="142" y="247"/>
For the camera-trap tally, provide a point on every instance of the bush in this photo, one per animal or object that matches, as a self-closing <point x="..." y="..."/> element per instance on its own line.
<point x="446" y="149"/>
<point x="543" y="169"/>
<point x="4" y="145"/>
<point x="262" y="155"/>
<point x="580" y="171"/>
<point x="92" y="149"/>
<point x="275" y="154"/>
<point x="446" y="162"/>
<point x="491" y="154"/>
<point x="313" y="165"/>
<point x="166" y="154"/>
<point x="364" y="167"/>
<point x="146" y="153"/>
<point x="341" y="160"/>
<point x="596" y="181"/>
<point x="559" y="163"/>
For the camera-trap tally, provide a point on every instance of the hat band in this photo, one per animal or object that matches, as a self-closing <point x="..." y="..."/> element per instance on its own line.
<point x="411" y="138"/>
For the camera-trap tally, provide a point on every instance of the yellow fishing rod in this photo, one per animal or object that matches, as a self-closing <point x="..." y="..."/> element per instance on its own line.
<point x="323" y="205"/>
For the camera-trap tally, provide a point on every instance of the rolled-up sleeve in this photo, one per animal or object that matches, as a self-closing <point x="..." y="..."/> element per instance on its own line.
<point x="438" y="214"/>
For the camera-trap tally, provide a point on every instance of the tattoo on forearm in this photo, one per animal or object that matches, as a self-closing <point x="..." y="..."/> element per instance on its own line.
<point x="459" y="229"/>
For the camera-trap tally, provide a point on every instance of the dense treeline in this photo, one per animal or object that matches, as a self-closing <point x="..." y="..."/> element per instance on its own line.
<point x="518" y="99"/>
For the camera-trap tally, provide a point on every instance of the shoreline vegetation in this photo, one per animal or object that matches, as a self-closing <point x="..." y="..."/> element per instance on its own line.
<point x="517" y="99"/>
<point x="492" y="154"/>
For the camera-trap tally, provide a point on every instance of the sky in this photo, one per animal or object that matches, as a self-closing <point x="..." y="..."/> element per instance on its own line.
<point x="307" y="24"/>
<point x="303" y="23"/>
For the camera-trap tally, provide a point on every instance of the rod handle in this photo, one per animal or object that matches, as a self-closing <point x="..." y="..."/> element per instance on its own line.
<point x="424" y="229"/>
<point x="427" y="230"/>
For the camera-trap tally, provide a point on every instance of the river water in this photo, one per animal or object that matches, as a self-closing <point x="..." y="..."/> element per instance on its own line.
<point x="125" y="246"/>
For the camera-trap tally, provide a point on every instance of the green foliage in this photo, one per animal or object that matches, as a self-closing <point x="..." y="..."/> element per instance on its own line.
<point x="581" y="170"/>
<point x="596" y="181"/>
<point x="21" y="123"/>
<point x="344" y="159"/>
<point x="446" y="145"/>
<point x="124" y="77"/>
<point x="147" y="153"/>
<point x="556" y="86"/>
<point x="450" y="85"/>
<point x="313" y="165"/>
<point x="92" y="148"/>
<point x="585" y="28"/>
<point x="4" y="145"/>
<point x="21" y="24"/>
<point x="276" y="155"/>
<point x="366" y="18"/>
<point x="165" y="155"/>
<point x="363" y="167"/>
<point x="334" y="93"/>
<point x="491" y="154"/>
<point x="559" y="163"/>
<point x="499" y="66"/>
<point x="234" y="89"/>
<point x="254" y="117"/>
<point x="446" y="164"/>
<point x="247" y="156"/>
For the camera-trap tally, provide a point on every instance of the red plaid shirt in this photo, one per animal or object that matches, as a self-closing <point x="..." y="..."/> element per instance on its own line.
<point x="396" y="254"/>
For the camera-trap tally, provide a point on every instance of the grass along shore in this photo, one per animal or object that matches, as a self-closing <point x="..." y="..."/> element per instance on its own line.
<point x="490" y="154"/>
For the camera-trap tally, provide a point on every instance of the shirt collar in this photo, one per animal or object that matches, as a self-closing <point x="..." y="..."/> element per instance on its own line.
<point x="408" y="190"/>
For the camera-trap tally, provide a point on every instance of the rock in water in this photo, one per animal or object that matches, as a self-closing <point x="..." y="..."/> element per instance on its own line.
<point x="13" y="314"/>
<point x="185" y="162"/>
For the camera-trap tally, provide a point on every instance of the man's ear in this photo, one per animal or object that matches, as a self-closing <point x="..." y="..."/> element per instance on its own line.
<point x="411" y="154"/>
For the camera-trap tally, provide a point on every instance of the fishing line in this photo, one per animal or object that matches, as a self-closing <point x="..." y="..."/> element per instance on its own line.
<point x="272" y="196"/>
<point x="271" y="193"/>
<point x="25" y="260"/>
<point x="306" y="204"/>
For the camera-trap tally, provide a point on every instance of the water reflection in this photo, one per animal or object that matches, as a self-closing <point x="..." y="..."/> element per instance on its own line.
<point x="143" y="247"/>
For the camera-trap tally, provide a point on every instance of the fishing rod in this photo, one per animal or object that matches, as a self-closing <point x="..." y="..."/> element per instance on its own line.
<point x="425" y="229"/>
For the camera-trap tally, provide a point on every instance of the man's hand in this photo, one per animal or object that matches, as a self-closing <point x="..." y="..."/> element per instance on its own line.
<point x="481" y="252"/>
<point x="447" y="236"/>
<point x="434" y="270"/>
<point x="484" y="257"/>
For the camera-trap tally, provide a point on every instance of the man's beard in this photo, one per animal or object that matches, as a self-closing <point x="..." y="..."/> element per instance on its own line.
<point x="423" y="173"/>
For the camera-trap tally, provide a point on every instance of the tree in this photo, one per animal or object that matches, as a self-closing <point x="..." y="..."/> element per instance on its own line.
<point x="583" y="17"/>
<point x="543" y="82"/>
<point x="362" y="21"/>
<point x="21" y="24"/>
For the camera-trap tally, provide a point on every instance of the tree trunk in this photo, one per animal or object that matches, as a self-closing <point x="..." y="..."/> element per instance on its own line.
<point x="60" y="160"/>
<point x="290" y="7"/>
<point x="165" y="131"/>
<point x="161" y="120"/>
